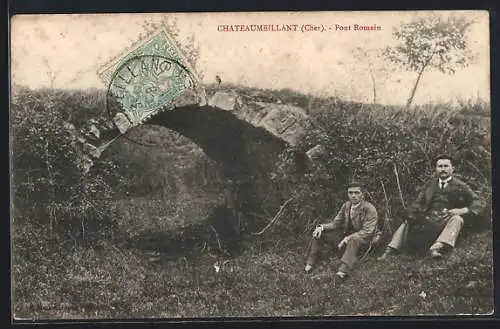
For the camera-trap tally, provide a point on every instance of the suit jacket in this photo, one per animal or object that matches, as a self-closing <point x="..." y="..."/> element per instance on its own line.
<point x="462" y="196"/>
<point x="364" y="226"/>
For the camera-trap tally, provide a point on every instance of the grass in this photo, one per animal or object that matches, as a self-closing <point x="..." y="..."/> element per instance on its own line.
<point x="154" y="264"/>
<point x="115" y="280"/>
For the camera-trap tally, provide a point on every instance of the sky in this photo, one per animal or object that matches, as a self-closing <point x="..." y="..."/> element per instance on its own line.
<point x="68" y="51"/>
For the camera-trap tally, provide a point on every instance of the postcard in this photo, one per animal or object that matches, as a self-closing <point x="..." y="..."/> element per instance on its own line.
<point x="250" y="164"/>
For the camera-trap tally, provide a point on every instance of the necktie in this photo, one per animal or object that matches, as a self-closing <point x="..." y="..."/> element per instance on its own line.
<point x="442" y="185"/>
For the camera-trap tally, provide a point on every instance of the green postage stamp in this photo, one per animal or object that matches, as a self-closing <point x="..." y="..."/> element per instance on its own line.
<point x="148" y="78"/>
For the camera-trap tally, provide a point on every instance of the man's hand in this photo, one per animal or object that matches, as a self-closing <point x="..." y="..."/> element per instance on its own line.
<point x="344" y="242"/>
<point x="317" y="231"/>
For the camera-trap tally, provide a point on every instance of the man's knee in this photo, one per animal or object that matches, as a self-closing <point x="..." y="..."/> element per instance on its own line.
<point x="356" y="241"/>
<point x="457" y="219"/>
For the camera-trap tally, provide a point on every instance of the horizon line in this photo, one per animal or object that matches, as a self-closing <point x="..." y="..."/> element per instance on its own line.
<point x="475" y="99"/>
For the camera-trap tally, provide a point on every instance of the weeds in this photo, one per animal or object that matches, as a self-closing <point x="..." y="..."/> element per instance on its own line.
<point x="130" y="240"/>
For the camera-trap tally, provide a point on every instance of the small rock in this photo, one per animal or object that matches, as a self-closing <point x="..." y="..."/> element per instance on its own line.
<point x="121" y="122"/>
<point x="222" y="100"/>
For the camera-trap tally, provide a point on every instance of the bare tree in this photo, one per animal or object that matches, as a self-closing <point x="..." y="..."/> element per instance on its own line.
<point x="51" y="73"/>
<point x="431" y="43"/>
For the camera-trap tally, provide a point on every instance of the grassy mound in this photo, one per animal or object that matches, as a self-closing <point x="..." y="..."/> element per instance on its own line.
<point x="85" y="247"/>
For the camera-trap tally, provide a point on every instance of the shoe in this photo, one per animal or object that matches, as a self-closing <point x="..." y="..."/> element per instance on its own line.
<point x="342" y="271"/>
<point x="437" y="250"/>
<point x="341" y="275"/>
<point x="436" y="254"/>
<point x="308" y="268"/>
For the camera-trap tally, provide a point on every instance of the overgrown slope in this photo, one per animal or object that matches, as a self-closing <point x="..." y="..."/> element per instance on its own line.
<point x="131" y="238"/>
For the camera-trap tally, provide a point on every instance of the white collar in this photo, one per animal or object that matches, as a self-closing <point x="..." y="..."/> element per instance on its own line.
<point x="354" y="206"/>
<point x="445" y="181"/>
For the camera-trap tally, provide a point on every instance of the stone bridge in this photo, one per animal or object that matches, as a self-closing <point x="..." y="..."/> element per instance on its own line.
<point x="248" y="138"/>
<point x="231" y="128"/>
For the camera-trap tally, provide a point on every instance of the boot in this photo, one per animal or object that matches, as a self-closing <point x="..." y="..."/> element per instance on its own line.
<point x="436" y="251"/>
<point x="342" y="272"/>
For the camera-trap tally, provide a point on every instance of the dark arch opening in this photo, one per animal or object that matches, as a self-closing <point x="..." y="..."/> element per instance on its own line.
<point x="247" y="155"/>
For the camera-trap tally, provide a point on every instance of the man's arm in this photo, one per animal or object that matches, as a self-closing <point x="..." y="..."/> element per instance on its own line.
<point x="475" y="206"/>
<point x="337" y="221"/>
<point x="369" y="224"/>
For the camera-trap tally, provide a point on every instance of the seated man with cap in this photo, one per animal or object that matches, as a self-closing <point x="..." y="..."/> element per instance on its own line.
<point x="355" y="226"/>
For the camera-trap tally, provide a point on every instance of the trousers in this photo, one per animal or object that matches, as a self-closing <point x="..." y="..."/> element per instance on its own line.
<point x="350" y="253"/>
<point x="447" y="230"/>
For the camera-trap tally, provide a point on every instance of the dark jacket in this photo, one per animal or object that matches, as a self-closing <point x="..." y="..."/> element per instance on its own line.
<point x="462" y="196"/>
<point x="364" y="226"/>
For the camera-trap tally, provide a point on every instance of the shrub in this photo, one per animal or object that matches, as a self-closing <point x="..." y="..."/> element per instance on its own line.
<point x="366" y="142"/>
<point x="48" y="187"/>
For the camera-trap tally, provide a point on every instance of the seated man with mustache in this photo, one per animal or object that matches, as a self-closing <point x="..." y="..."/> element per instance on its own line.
<point x="355" y="225"/>
<point x="440" y="210"/>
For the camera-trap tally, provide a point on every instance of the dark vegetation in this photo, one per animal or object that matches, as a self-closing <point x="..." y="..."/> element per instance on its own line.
<point x="135" y="236"/>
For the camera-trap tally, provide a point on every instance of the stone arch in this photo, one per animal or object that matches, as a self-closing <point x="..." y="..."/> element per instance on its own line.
<point x="246" y="137"/>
